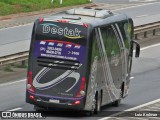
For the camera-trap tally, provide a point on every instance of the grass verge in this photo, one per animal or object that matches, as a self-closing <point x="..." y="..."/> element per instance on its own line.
<point x="17" y="6"/>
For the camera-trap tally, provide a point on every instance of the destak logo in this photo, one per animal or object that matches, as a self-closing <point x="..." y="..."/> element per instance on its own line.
<point x="54" y="29"/>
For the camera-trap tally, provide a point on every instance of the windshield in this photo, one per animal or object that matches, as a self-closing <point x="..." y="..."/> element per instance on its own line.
<point x="61" y="40"/>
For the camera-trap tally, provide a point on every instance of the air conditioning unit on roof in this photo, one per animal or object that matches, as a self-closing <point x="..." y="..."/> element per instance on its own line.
<point x="98" y="13"/>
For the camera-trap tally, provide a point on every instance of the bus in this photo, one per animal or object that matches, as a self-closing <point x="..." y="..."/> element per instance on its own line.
<point x="80" y="59"/>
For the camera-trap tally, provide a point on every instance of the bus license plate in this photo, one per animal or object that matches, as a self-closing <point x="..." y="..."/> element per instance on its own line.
<point x="54" y="101"/>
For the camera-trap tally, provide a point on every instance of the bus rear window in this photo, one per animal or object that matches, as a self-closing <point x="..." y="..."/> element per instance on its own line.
<point x="61" y="41"/>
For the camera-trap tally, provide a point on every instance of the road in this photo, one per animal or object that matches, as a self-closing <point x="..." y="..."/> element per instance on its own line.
<point x="144" y="88"/>
<point x="13" y="38"/>
<point x="145" y="14"/>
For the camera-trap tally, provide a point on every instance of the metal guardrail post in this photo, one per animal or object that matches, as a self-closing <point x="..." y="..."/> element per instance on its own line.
<point x="154" y="32"/>
<point x="136" y="36"/>
<point x="145" y="34"/>
<point x="23" y="63"/>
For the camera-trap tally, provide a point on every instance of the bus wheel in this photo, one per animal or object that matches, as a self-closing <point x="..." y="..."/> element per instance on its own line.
<point x="118" y="102"/>
<point x="98" y="103"/>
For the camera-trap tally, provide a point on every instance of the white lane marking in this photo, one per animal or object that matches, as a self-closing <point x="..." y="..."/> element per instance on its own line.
<point x="10" y="83"/>
<point x="131" y="78"/>
<point x="141" y="16"/>
<point x="16" y="26"/>
<point x="131" y="109"/>
<point x="151" y="46"/>
<point x="16" y="109"/>
<point x="136" y="6"/>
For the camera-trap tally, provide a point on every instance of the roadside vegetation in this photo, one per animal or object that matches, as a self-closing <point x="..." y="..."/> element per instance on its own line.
<point x="17" y="6"/>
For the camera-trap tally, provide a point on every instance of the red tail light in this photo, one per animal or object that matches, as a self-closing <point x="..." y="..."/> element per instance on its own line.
<point x="85" y="25"/>
<point x="77" y="102"/>
<point x="83" y="83"/>
<point x="31" y="97"/>
<point x="41" y="19"/>
<point x="30" y="82"/>
<point x="81" y="91"/>
<point x="63" y="21"/>
<point x="29" y="77"/>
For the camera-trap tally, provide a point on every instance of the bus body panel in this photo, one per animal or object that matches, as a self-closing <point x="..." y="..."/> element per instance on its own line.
<point x="58" y="63"/>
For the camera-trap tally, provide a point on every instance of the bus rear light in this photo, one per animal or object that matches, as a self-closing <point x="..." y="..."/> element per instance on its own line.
<point x="77" y="102"/>
<point x="41" y="19"/>
<point x="63" y="21"/>
<point x="30" y="82"/>
<point x="83" y="83"/>
<point x="32" y="97"/>
<point x="85" y="25"/>
<point x="81" y="91"/>
<point x="31" y="89"/>
<point x="29" y="77"/>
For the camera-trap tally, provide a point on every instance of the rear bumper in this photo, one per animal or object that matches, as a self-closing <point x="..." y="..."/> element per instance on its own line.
<point x="65" y="106"/>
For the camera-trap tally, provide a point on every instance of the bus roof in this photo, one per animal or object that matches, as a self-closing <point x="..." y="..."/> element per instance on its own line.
<point x="93" y="16"/>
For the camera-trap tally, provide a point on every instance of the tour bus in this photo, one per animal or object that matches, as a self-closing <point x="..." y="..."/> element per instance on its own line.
<point x="80" y="59"/>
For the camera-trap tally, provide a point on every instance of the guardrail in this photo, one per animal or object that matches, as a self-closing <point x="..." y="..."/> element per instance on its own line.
<point x="139" y="33"/>
<point x="22" y="56"/>
<point x="144" y="30"/>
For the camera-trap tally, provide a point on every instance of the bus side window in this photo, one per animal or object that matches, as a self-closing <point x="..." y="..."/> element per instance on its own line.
<point x="113" y="52"/>
<point x="126" y="31"/>
<point x="110" y="41"/>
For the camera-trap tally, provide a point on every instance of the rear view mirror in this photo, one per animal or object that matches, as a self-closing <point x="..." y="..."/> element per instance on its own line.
<point x="137" y="52"/>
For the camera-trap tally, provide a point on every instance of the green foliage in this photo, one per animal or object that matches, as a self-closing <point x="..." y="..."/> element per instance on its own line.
<point x="17" y="6"/>
<point x="5" y="9"/>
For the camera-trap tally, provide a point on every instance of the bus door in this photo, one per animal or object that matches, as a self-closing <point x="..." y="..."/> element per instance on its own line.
<point x="125" y="30"/>
<point x="113" y="59"/>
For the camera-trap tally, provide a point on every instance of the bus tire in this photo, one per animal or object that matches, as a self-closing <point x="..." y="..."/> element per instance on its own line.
<point x="118" y="102"/>
<point x="98" y="103"/>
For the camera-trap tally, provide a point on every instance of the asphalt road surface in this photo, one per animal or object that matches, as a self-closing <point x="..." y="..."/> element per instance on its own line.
<point x="144" y="86"/>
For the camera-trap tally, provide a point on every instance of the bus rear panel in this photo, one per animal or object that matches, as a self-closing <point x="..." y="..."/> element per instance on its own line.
<point x="56" y="74"/>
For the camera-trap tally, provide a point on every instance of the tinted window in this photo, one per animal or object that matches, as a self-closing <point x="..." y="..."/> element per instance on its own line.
<point x="61" y="41"/>
<point x="126" y="31"/>
<point x="110" y="41"/>
<point x="113" y="51"/>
